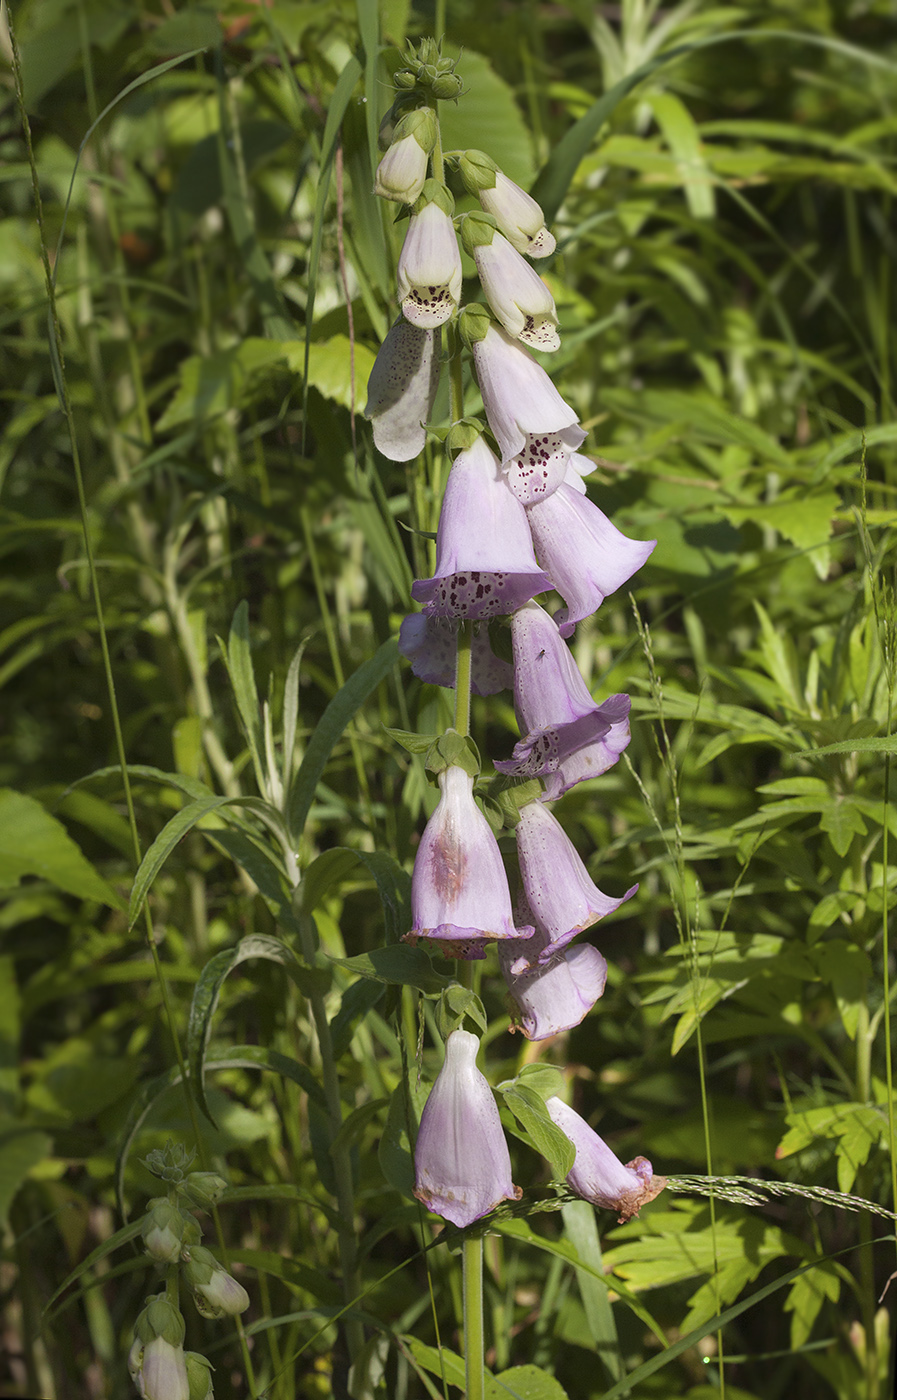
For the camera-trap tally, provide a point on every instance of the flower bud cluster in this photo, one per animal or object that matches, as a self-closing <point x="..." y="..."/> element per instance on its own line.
<point x="158" y="1363"/>
<point x="515" y="523"/>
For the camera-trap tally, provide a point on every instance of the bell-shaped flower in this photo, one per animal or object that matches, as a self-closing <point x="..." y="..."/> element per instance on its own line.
<point x="161" y="1372"/>
<point x="559" y="890"/>
<point x="567" y="736"/>
<point x="598" y="1175"/>
<point x="462" y="1166"/>
<point x="401" y="390"/>
<point x="429" y="272"/>
<point x="535" y="429"/>
<point x="163" y="1231"/>
<point x="431" y="645"/>
<point x="460" y="900"/>
<point x="585" y="555"/>
<point x="484" y="555"/>
<point x="403" y="170"/>
<point x="516" y="293"/>
<point x="517" y="214"/>
<point x="556" y="996"/>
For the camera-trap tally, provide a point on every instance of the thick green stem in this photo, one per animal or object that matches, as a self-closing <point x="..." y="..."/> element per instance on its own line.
<point x="474" y="1343"/>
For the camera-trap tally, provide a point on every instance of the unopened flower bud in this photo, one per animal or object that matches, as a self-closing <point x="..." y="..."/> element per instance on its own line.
<point x="404" y="80"/>
<point x="160" y="1318"/>
<point x="403" y="170"/>
<point x="474" y="324"/>
<point x="199" y="1376"/>
<point x="215" y="1291"/>
<point x="163" y="1232"/>
<point x="203" y="1188"/>
<point x="447" y="86"/>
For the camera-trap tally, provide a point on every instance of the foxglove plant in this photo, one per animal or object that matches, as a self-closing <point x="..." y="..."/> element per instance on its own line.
<point x="512" y="525"/>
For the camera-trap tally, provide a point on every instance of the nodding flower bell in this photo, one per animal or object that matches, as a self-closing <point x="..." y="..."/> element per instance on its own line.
<point x="517" y="214"/>
<point x="459" y="891"/>
<point x="401" y="390"/>
<point x="567" y="736"/>
<point x="429" y="271"/>
<point x="598" y="1175"/>
<point x="403" y="170"/>
<point x="514" y="290"/>
<point x="156" y="1359"/>
<point x="462" y="1166"/>
<point x="535" y="429"/>
<point x="559" y="890"/>
<point x="556" y="996"/>
<point x="586" y="556"/>
<point x="431" y="645"/>
<point x="484" y="555"/>
<point x="215" y="1292"/>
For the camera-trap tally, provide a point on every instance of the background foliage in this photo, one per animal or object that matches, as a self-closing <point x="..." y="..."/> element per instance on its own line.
<point x="223" y="278"/>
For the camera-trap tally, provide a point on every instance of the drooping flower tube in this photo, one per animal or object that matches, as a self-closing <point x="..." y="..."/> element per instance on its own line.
<point x="431" y="645"/>
<point x="401" y="390"/>
<point x="517" y="214"/>
<point x="403" y="170"/>
<point x="586" y="556"/>
<point x="559" y="890"/>
<point x="429" y="271"/>
<point x="156" y="1360"/>
<point x="462" y="1166"/>
<point x="567" y="736"/>
<point x="598" y="1175"/>
<point x="460" y="900"/>
<point x="556" y="996"/>
<point x="514" y="290"/>
<point x="484" y="555"/>
<point x="535" y="429"/>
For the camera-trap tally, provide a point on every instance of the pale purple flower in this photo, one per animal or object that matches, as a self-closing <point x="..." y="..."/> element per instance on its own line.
<point x="462" y="1165"/>
<point x="163" y="1372"/>
<point x="429" y="271"/>
<point x="577" y="467"/>
<point x="535" y="429"/>
<point x="585" y="555"/>
<point x="559" y="890"/>
<point x="556" y="996"/>
<point x="567" y="737"/>
<point x="401" y="390"/>
<point x="484" y="555"/>
<point x="431" y="645"/>
<point x="598" y="1175"/>
<point x="514" y="290"/>
<point x="459" y="891"/>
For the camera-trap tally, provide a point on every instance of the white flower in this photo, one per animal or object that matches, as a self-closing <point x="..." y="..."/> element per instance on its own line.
<point x="429" y="272"/>
<point x="163" y="1375"/>
<point x="517" y="214"/>
<point x="535" y="429"/>
<point x="401" y="390"/>
<point x="514" y="290"/>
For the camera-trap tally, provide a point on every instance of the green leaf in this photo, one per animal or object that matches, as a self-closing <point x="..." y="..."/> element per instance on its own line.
<point x="400" y="966"/>
<point x="238" y="658"/>
<point x="102" y="1251"/>
<point x="330" y="370"/>
<point x="208" y="991"/>
<point x="885" y="744"/>
<point x="34" y="843"/>
<point x="529" y="1383"/>
<point x="21" y="1148"/>
<point x="164" y="844"/>
<point x="292" y="1272"/>
<point x="847" y="969"/>
<point x="806" y="1297"/>
<point x="352" y="1128"/>
<point x="581" y="1228"/>
<point x="331" y="726"/>
<point x="394" y="1151"/>
<point x="357" y="1001"/>
<point x="181" y="33"/>
<point x="487" y="116"/>
<point x="842" y="820"/>
<point x="529" y="1108"/>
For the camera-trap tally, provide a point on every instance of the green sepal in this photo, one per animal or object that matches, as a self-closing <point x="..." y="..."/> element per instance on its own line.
<point x="421" y="124"/>
<point x="434" y="192"/>
<point x="414" y="743"/>
<point x="510" y="794"/>
<point x="462" y="435"/>
<point x="455" y="1003"/>
<point x="454" y="750"/>
<point x="474" y="323"/>
<point x="477" y="231"/>
<point x="477" y="170"/>
<point x="160" y="1318"/>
